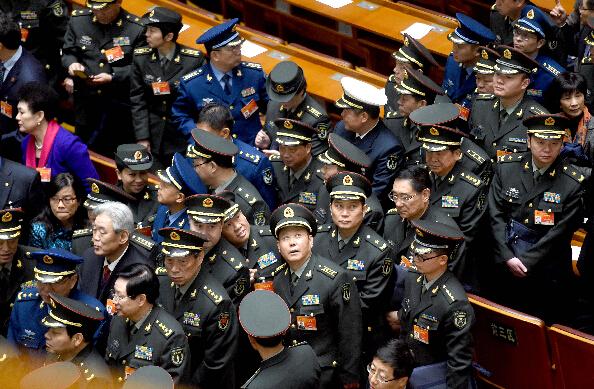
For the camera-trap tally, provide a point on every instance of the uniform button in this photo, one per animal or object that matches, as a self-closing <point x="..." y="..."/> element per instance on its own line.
<point x="415" y="320"/>
<point x="164" y="118"/>
<point x="294" y="342"/>
<point x="292" y="309"/>
<point x="526" y="221"/>
<point x="101" y="64"/>
<point x="494" y="143"/>
<point x="120" y="379"/>
<point x="530" y="205"/>
<point x="84" y="47"/>
<point x="123" y="362"/>
<point x="99" y="92"/>
<point x="354" y="278"/>
<point x="231" y="107"/>
<point x="292" y="325"/>
<point x="411" y="335"/>
<point x="102" y="51"/>
<point x="368" y="329"/>
<point x="164" y="102"/>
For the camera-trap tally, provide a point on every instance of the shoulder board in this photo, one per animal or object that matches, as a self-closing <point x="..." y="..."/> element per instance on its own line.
<point x="448" y="294"/>
<point x="392" y="211"/>
<point x="537" y="110"/>
<point x="235" y="263"/>
<point x="509" y="158"/>
<point x="475" y="156"/>
<point x="572" y="172"/>
<point x="551" y="69"/>
<point x="252" y="65"/>
<point x="28" y="284"/>
<point x="278" y="269"/>
<point x="83" y="232"/>
<point x="81" y="12"/>
<point x="165" y="330"/>
<point x="314" y="112"/>
<point x="265" y="231"/>
<point x="246" y="195"/>
<point x="392" y="115"/>
<point x="469" y="177"/>
<point x="587" y="60"/>
<point x="274" y="157"/>
<point x="142" y="50"/>
<point x="324" y="228"/>
<point x="378" y="242"/>
<point x="191" y="75"/>
<point x="297" y="344"/>
<point x="250" y="157"/>
<point x="392" y="78"/>
<point x="215" y="297"/>
<point x="145" y="242"/>
<point x="161" y="271"/>
<point x="328" y="271"/>
<point x="485" y="96"/>
<point x="191" y="52"/>
<point x="134" y="19"/>
<point x="28" y="294"/>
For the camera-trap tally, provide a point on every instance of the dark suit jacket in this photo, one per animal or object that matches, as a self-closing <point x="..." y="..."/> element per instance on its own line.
<point x="20" y="187"/>
<point x="91" y="271"/>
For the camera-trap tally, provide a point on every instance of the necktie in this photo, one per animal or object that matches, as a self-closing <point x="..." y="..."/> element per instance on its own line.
<point x="178" y="297"/>
<point x="341" y="244"/>
<point x="106" y="274"/>
<point x="164" y="62"/>
<point x="294" y="279"/>
<point x="502" y="116"/>
<point x="227" y="83"/>
<point x="536" y="175"/>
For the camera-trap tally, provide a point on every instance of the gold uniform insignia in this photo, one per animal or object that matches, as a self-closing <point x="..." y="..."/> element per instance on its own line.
<point x="289" y="212"/>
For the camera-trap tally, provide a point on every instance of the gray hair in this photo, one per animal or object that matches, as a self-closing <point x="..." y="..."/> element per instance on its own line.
<point x="120" y="215"/>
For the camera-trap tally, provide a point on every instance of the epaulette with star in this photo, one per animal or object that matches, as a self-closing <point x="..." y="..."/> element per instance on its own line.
<point x="297" y="344"/>
<point x="28" y="294"/>
<point x="161" y="271"/>
<point x="255" y="159"/>
<point x="551" y="69"/>
<point x="142" y="241"/>
<point x="274" y="157"/>
<point x="212" y="295"/>
<point x="82" y="232"/>
<point x="327" y="271"/>
<point x="377" y="242"/>
<point x="191" y="52"/>
<point x="448" y="294"/>
<point x="264" y="231"/>
<point x="142" y="51"/>
<point x="471" y="178"/>
<point x="485" y="96"/>
<point x="81" y="12"/>
<point x="475" y="156"/>
<point x="252" y="65"/>
<point x="537" y="111"/>
<point x="192" y="75"/>
<point x="516" y="157"/>
<point x="392" y="115"/>
<point x="392" y="211"/>
<point x="278" y="269"/>
<point x="235" y="263"/>
<point x="134" y="19"/>
<point x="165" y="330"/>
<point x="314" y="112"/>
<point x="250" y="198"/>
<point x="324" y="228"/>
<point x="572" y="172"/>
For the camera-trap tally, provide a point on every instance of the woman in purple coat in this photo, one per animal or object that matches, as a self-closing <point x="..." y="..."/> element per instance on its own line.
<point x="48" y="147"/>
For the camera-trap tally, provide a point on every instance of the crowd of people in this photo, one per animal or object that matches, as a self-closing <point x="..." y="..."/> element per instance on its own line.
<point x="250" y="241"/>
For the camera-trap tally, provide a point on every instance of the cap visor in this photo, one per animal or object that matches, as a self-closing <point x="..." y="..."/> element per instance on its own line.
<point x="340" y="103"/>
<point x="93" y="5"/>
<point x="434" y="147"/>
<point x="50" y="322"/>
<point x="456" y="39"/>
<point x="47" y="279"/>
<point x="278" y="97"/>
<point x="141" y="166"/>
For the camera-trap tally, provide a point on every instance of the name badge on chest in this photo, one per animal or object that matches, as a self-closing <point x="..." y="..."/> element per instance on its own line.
<point x="249" y="109"/>
<point x="6" y="109"/>
<point x="143" y="352"/>
<point x="544" y="218"/>
<point x="161" y="88"/>
<point x="114" y="54"/>
<point x="307" y="323"/>
<point x="421" y="334"/>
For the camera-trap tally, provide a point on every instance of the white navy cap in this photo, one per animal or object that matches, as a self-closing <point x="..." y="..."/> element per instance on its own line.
<point x="360" y="95"/>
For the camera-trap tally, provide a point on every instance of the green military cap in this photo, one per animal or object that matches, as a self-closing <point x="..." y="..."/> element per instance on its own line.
<point x="149" y="377"/>
<point x="357" y="94"/>
<point x="233" y="207"/>
<point x="67" y="312"/>
<point x="416" y="83"/>
<point x="180" y="243"/>
<point x="438" y="138"/>
<point x="159" y="15"/>
<point x="284" y="81"/>
<point x="348" y="186"/>
<point x="212" y="147"/>
<point x="99" y="4"/>
<point x="102" y="192"/>
<point x="513" y="61"/>
<point x="205" y="208"/>
<point x="415" y="54"/>
<point x="292" y="215"/>
<point x="486" y="61"/>
<point x="57" y="375"/>
<point x="11" y="221"/>
<point x="547" y="126"/>
<point x="345" y="155"/>
<point x="443" y="114"/>
<point x="293" y="132"/>
<point x="133" y="156"/>
<point x="434" y="235"/>
<point x="264" y="314"/>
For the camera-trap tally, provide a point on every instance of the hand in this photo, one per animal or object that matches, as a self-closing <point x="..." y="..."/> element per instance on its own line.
<point x="270" y="153"/>
<point x="253" y="276"/>
<point x="75" y="67"/>
<point x="68" y="84"/>
<point x="558" y="14"/>
<point x="146" y="143"/>
<point x="101" y="78"/>
<point x="262" y="140"/>
<point x="516" y="267"/>
<point x="393" y="322"/>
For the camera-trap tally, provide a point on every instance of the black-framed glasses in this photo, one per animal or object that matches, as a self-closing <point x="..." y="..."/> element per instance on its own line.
<point x="200" y="164"/>
<point x="419" y="258"/>
<point x="67" y="200"/>
<point x="379" y="376"/>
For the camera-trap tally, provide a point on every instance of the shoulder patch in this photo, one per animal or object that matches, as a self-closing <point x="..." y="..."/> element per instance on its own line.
<point x="255" y="159"/>
<point x="392" y="211"/>
<point x="252" y="65"/>
<point x="572" y="172"/>
<point x="314" y="112"/>
<point x="191" y="52"/>
<point x="165" y="330"/>
<point x="81" y="12"/>
<point x="142" y="50"/>
<point x="475" y="156"/>
<point x="83" y="232"/>
<point x="378" y="242"/>
<point x="471" y="178"/>
<point x="134" y="19"/>
<point x="142" y="241"/>
<point x="191" y="75"/>
<point x="485" y="96"/>
<point x="331" y="273"/>
<point x="161" y="271"/>
<point x="215" y="297"/>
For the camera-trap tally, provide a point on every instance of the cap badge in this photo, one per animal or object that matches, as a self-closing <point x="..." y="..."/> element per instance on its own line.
<point x="6" y="217"/>
<point x="94" y="188"/>
<point x="549" y="121"/>
<point x="138" y="155"/>
<point x="419" y="232"/>
<point x="289" y="212"/>
<point x="207" y="202"/>
<point x="406" y="43"/>
<point x="484" y="54"/>
<point x="405" y="75"/>
<point x="288" y="125"/>
<point x="279" y="88"/>
<point x="530" y="14"/>
<point x="433" y="131"/>
<point x="507" y="54"/>
<point x="347" y="180"/>
<point x="48" y="260"/>
<point x="152" y="13"/>
<point x="174" y="235"/>
<point x="234" y="27"/>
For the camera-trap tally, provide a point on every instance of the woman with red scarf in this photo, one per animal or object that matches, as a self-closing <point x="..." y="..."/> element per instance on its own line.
<point x="48" y="147"/>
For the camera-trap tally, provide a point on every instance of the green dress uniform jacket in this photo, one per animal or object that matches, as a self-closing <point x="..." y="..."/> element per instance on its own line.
<point x="145" y="207"/>
<point x="95" y="373"/>
<point x="226" y="264"/>
<point x="437" y="323"/>
<point x="209" y="320"/>
<point x="304" y="190"/>
<point x="251" y="203"/>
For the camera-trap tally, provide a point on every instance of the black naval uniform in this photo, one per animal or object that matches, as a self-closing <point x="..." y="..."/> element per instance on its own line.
<point x="151" y="111"/>
<point x="490" y="134"/>
<point x="94" y="371"/>
<point x="209" y="320"/>
<point x="159" y="341"/>
<point x="20" y="273"/>
<point x="515" y="196"/>
<point x="249" y="200"/>
<point x="309" y="112"/>
<point x="226" y="264"/>
<point x="104" y="108"/>
<point x="305" y="189"/>
<point x="295" y="367"/>
<point x="326" y="293"/>
<point x="436" y="324"/>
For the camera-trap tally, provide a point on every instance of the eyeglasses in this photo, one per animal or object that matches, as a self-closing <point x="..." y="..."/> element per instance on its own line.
<point x="200" y="164"/>
<point x="523" y="36"/>
<point x="402" y="197"/>
<point x="379" y="376"/>
<point x="66" y="200"/>
<point x="117" y="298"/>
<point x="418" y="258"/>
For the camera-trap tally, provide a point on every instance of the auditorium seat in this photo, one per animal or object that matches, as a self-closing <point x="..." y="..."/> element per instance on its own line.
<point x="337" y="61"/>
<point x="573" y="356"/>
<point x="511" y="349"/>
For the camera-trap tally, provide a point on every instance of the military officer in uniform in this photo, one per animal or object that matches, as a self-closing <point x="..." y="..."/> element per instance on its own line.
<point x="321" y="296"/>
<point x="226" y="80"/>
<point x="287" y="89"/>
<point x="143" y="333"/>
<point x="98" y="52"/>
<point x="156" y="73"/>
<point x="413" y="54"/>
<point x="69" y="337"/>
<point x="362" y="126"/>
<point x="436" y="318"/>
<point x="459" y="82"/>
<point x="535" y="206"/>
<point x="250" y="162"/>
<point x="223" y="261"/>
<point x="133" y="163"/>
<point x="201" y="305"/>
<point x="361" y="251"/>
<point x="345" y="156"/>
<point x="213" y="159"/>
<point x="265" y="317"/>
<point x="496" y="121"/>
<point x="298" y="174"/>
<point x="55" y="271"/>
<point x="484" y="69"/>
<point x="16" y="267"/>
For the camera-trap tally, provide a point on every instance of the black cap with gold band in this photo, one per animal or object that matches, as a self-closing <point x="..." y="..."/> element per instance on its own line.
<point x="11" y="221"/>
<point x="360" y="95"/>
<point x="434" y="235"/>
<point x="513" y="61"/>
<point x="67" y="312"/>
<point x="345" y="155"/>
<point x="102" y="192"/>
<point x="348" y="186"/>
<point x="548" y="127"/>
<point x="133" y="156"/>
<point x="205" y="208"/>
<point x="486" y="61"/>
<point x="99" y="4"/>
<point x="212" y="147"/>
<point x="180" y="243"/>
<point x="293" y="132"/>
<point x="438" y="138"/>
<point x="416" y="83"/>
<point x="292" y="215"/>
<point x="284" y="81"/>
<point x="414" y="54"/>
